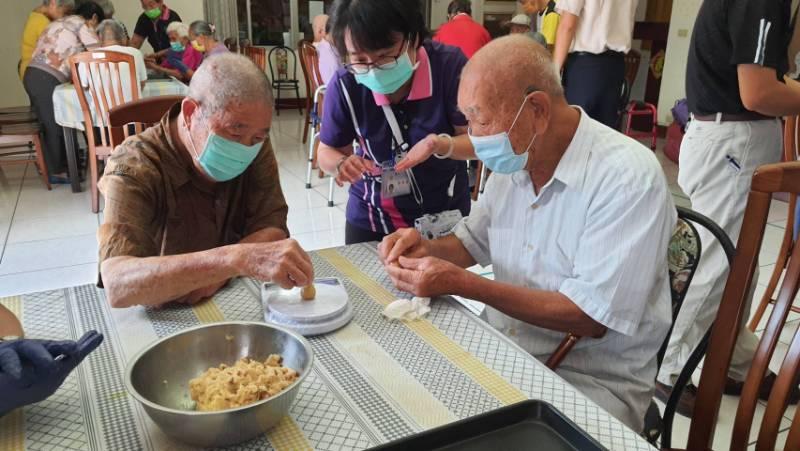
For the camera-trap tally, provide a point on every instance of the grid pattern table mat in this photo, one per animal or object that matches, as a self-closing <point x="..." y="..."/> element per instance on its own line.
<point x="67" y="107"/>
<point x="372" y="382"/>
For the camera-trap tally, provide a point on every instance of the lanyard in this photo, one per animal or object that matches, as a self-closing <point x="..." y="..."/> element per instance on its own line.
<point x="353" y="117"/>
<point x="403" y="145"/>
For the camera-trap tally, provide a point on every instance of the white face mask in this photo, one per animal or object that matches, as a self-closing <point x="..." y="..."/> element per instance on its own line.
<point x="496" y="151"/>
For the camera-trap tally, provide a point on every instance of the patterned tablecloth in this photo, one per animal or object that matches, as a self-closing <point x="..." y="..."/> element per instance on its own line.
<point x="68" y="111"/>
<point x="373" y="381"/>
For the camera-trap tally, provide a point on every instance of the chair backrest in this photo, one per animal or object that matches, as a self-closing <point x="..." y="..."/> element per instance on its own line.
<point x="632" y="61"/>
<point x="257" y="55"/>
<point x="767" y="180"/>
<point x="280" y="64"/>
<point x="309" y="61"/>
<point x="132" y="118"/>
<point x="97" y="77"/>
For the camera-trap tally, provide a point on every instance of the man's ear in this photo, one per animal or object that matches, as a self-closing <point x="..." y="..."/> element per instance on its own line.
<point x="542" y="109"/>
<point x="189" y="108"/>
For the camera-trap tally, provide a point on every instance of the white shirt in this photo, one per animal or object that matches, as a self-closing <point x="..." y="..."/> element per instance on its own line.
<point x="598" y="233"/>
<point x="602" y="24"/>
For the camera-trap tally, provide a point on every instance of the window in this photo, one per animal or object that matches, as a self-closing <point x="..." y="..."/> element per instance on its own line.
<point x="264" y="21"/>
<point x="307" y="10"/>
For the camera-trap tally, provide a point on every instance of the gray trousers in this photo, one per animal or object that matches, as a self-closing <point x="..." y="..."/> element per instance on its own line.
<point x="40" y="86"/>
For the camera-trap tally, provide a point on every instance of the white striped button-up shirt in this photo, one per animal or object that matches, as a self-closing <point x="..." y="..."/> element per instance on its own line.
<point x="598" y="233"/>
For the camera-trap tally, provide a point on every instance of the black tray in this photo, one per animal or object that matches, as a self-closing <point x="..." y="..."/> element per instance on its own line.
<point x="525" y="425"/>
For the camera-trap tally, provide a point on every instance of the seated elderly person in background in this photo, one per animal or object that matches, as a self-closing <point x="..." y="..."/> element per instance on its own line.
<point x="576" y="219"/>
<point x="113" y="38"/>
<point x="181" y="59"/>
<point x="196" y="200"/>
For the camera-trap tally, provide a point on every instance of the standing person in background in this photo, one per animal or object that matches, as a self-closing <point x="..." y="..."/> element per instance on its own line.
<point x="49" y="68"/>
<point x="201" y="34"/>
<point x="519" y="24"/>
<point x="152" y="25"/>
<point x="320" y="27"/>
<point x="461" y="31"/>
<point x="329" y="60"/>
<point x="592" y="40"/>
<point x="109" y="11"/>
<point x="735" y="88"/>
<point x="38" y="20"/>
<point x="546" y="9"/>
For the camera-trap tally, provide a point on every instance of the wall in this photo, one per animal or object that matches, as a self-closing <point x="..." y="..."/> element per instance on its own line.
<point x="12" y="21"/>
<point x="673" y="85"/>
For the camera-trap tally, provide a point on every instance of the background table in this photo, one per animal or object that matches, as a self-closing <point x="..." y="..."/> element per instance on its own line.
<point x="69" y="115"/>
<point x="372" y="381"/>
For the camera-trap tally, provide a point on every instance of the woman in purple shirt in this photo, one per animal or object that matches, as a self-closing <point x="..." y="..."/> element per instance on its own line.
<point x="396" y="98"/>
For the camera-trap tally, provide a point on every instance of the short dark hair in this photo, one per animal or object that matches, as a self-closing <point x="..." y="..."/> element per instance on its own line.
<point x="459" y="6"/>
<point x="87" y="10"/>
<point x="373" y="22"/>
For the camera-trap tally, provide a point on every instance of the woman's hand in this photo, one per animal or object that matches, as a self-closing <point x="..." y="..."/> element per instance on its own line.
<point x="352" y="169"/>
<point x="420" y="152"/>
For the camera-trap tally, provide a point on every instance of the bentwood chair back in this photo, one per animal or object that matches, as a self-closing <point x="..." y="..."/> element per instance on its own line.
<point x="767" y="180"/>
<point x="134" y="117"/>
<point x="791" y="139"/>
<point x="97" y="77"/>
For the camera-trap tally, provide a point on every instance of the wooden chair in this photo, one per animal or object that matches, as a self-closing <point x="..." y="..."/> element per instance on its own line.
<point x="258" y="55"/>
<point x="791" y="138"/>
<point x="97" y="79"/>
<point x="133" y="118"/>
<point x="309" y="61"/>
<point x="767" y="180"/>
<point x="283" y="74"/>
<point x="18" y="142"/>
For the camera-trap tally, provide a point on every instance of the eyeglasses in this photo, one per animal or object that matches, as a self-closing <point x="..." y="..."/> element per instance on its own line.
<point x="383" y="63"/>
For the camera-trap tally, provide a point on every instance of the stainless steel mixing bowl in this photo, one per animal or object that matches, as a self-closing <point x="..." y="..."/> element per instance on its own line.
<point x="158" y="377"/>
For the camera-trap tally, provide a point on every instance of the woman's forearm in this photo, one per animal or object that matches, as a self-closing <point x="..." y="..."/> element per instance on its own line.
<point x="328" y="157"/>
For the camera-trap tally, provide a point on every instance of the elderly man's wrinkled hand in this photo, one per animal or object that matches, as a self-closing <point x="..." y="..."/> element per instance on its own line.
<point x="283" y="262"/>
<point x="353" y="168"/>
<point x="420" y="153"/>
<point x="32" y="370"/>
<point x="405" y="243"/>
<point x="425" y="277"/>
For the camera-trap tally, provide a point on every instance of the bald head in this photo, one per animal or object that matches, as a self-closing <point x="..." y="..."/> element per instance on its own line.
<point x="227" y="79"/>
<point x="526" y="66"/>
<point x="319" y="25"/>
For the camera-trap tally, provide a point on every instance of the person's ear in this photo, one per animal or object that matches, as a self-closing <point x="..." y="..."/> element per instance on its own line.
<point x="541" y="106"/>
<point x="189" y="108"/>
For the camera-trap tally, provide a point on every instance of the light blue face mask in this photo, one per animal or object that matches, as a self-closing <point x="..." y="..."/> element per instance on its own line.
<point x="223" y="159"/>
<point x="496" y="152"/>
<point x="386" y="80"/>
<point x="177" y="46"/>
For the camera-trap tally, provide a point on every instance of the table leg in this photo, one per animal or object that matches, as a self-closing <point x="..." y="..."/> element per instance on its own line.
<point x="72" y="160"/>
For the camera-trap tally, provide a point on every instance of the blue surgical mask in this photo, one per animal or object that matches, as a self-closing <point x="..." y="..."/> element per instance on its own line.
<point x="223" y="159"/>
<point x="496" y="152"/>
<point x="177" y="46"/>
<point x="386" y="80"/>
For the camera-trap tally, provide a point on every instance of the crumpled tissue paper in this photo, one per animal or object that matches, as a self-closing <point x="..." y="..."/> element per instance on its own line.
<point x="407" y="310"/>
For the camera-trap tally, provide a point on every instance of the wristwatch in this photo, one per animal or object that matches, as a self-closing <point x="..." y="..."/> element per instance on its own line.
<point x="340" y="163"/>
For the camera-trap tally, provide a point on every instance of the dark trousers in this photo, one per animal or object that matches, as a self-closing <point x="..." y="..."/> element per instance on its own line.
<point x="355" y="235"/>
<point x="594" y="82"/>
<point x="40" y="86"/>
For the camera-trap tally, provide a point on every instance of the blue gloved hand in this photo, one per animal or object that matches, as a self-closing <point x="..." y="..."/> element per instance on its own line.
<point x="32" y="370"/>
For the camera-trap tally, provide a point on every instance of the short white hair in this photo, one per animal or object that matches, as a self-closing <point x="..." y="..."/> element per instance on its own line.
<point x="226" y="79"/>
<point x="111" y="29"/>
<point x="178" y="27"/>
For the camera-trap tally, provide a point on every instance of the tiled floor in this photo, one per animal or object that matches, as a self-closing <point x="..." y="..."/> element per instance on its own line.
<point x="47" y="239"/>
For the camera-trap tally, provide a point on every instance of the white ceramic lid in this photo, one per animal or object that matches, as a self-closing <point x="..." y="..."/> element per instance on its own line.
<point x="329" y="311"/>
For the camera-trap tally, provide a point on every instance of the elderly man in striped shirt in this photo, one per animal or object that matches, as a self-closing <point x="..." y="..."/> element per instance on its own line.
<point x="576" y="219"/>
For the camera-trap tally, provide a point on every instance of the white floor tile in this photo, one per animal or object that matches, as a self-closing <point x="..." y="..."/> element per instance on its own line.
<point x="321" y="240"/>
<point x="315" y="220"/>
<point x="779" y="444"/>
<point x="49" y="279"/>
<point x="778" y="212"/>
<point x="771" y="246"/>
<point x="48" y="228"/>
<point x="48" y="254"/>
<point x="35" y="202"/>
<point x="722" y="436"/>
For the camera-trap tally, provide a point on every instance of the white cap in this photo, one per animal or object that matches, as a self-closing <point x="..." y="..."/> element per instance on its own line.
<point x="521" y="19"/>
